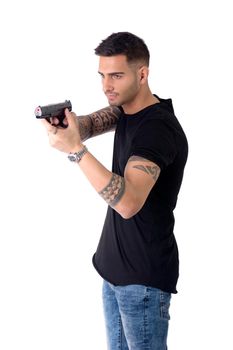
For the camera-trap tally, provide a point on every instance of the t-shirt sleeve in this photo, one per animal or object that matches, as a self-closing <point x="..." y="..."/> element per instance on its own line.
<point x="155" y="141"/>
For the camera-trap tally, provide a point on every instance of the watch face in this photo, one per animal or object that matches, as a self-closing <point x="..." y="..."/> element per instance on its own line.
<point x="77" y="156"/>
<point x="72" y="157"/>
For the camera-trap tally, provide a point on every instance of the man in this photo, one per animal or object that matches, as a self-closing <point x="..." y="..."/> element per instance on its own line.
<point x="137" y="255"/>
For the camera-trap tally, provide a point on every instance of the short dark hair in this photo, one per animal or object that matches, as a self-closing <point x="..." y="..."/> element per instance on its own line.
<point x="124" y="43"/>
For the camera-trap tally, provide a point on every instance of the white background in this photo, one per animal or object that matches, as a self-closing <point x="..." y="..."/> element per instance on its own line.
<point x="51" y="219"/>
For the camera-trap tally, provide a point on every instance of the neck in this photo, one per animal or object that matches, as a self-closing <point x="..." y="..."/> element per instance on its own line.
<point x="141" y="101"/>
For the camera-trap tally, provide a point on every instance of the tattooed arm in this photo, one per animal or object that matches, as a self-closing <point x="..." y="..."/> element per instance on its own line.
<point x="128" y="194"/>
<point x="125" y="194"/>
<point x="98" y="122"/>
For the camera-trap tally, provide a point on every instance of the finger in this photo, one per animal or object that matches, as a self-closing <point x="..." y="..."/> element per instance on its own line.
<point x="49" y="127"/>
<point x="54" y="121"/>
<point x="71" y="118"/>
<point x="65" y="122"/>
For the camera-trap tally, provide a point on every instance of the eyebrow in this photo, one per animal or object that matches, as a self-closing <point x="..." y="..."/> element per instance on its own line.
<point x="113" y="73"/>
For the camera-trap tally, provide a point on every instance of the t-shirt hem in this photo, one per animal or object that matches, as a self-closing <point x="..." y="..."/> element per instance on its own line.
<point x="133" y="281"/>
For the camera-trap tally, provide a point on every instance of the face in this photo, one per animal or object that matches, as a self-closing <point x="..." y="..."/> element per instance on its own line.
<point x="121" y="81"/>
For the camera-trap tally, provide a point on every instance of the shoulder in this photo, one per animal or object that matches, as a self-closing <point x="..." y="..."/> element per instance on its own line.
<point x="160" y="119"/>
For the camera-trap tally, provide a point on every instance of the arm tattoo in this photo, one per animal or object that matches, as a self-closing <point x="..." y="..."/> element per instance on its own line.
<point x="115" y="189"/>
<point x="105" y="119"/>
<point x="85" y="127"/>
<point x="98" y="122"/>
<point x="152" y="170"/>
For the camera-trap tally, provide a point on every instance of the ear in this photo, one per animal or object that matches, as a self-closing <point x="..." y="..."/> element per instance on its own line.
<point x="143" y="74"/>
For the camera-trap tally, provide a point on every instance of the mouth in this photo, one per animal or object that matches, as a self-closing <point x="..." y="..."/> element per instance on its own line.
<point x="111" y="95"/>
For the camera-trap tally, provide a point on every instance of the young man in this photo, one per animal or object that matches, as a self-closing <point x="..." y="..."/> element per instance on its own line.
<point x="137" y="255"/>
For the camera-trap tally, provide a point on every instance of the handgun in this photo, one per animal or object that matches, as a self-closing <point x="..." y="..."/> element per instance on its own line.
<point x="54" y="111"/>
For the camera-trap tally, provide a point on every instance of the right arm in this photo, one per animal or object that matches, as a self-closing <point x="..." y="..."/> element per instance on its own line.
<point x="99" y="122"/>
<point x="126" y="194"/>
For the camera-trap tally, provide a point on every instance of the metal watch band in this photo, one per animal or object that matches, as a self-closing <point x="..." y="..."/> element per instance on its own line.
<point x="77" y="156"/>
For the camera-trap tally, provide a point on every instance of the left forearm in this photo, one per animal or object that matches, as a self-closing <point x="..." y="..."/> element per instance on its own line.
<point x="99" y="122"/>
<point x="95" y="172"/>
<point x="110" y="186"/>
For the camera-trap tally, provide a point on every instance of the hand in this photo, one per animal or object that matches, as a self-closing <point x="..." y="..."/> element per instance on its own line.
<point x="68" y="139"/>
<point x="57" y="122"/>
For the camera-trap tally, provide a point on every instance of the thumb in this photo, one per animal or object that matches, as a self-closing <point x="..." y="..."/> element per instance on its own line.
<point x="71" y="118"/>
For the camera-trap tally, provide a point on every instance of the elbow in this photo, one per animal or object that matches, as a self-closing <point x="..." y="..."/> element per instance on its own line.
<point x="127" y="212"/>
<point x="126" y="215"/>
<point x="129" y="205"/>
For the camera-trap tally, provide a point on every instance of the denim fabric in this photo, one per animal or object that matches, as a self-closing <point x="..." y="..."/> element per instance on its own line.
<point x="136" y="317"/>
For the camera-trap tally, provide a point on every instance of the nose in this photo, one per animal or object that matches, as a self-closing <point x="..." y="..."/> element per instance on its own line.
<point x="107" y="84"/>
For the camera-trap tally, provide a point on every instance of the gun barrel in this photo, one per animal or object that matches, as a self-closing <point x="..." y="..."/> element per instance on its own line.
<point x="52" y="110"/>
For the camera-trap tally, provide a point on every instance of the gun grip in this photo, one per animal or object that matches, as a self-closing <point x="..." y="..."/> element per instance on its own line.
<point x="59" y="124"/>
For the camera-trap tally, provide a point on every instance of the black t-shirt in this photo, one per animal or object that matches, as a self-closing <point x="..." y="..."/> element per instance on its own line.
<point x="143" y="249"/>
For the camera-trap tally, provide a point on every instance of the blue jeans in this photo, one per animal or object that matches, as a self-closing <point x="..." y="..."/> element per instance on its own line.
<point x="136" y="317"/>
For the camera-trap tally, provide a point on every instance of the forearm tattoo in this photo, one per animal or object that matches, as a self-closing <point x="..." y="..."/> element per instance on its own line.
<point x="152" y="170"/>
<point x="85" y="127"/>
<point x="105" y="119"/>
<point x="115" y="189"/>
<point x="98" y="122"/>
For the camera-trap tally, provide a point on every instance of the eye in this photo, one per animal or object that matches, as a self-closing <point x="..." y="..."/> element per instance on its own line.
<point x="117" y="76"/>
<point x="101" y="75"/>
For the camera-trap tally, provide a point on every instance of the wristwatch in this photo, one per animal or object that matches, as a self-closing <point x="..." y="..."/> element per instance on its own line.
<point x="77" y="156"/>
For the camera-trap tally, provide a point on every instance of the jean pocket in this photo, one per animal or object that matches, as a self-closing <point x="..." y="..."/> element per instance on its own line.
<point x="165" y="305"/>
